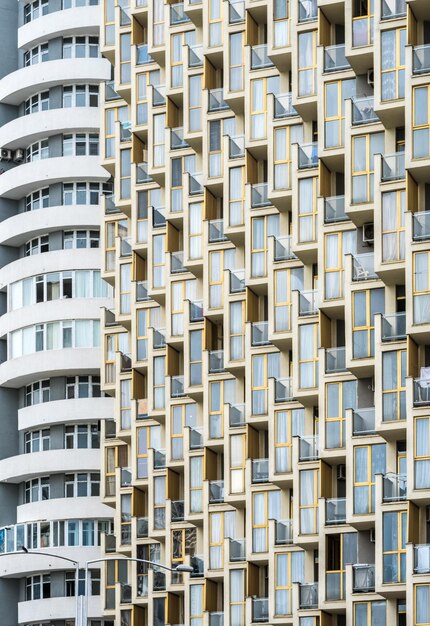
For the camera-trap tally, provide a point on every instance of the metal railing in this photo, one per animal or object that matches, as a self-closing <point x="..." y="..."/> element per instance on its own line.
<point x="308" y="155"/>
<point x="335" y="59"/>
<point x="283" y="106"/>
<point x="421" y="59"/>
<point x="259" y="471"/>
<point x="308" y="448"/>
<point x="363" y="421"/>
<point x="260" y="333"/>
<point x="334" y="209"/>
<point x="363" y="578"/>
<point x="394" y="326"/>
<point x="259" y="57"/>
<point x="394" y="487"/>
<point x="363" y="111"/>
<point x="335" y="511"/>
<point x="283" y="532"/>
<point x="393" y="167"/>
<point x="363" y="266"/>
<point x="335" y="360"/>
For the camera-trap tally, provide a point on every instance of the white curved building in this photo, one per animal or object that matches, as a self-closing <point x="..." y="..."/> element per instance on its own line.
<point x="51" y="293"/>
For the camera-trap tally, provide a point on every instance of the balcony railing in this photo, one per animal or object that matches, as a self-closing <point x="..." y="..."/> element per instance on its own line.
<point x="307" y="10"/>
<point x="335" y="511"/>
<point x="308" y="302"/>
<point x="216" y="491"/>
<point x="236" y="11"/>
<point x="283" y="390"/>
<point x="237" y="415"/>
<point x="308" y="448"/>
<point x="260" y="610"/>
<point x="421" y="391"/>
<point x="335" y="59"/>
<point x="125" y="131"/>
<point x="177" y="141"/>
<point x="308" y="155"/>
<point x="142" y="55"/>
<point x="308" y="595"/>
<point x="158" y="217"/>
<point x="237" y="550"/>
<point x="158" y="95"/>
<point x="142" y="173"/>
<point x="335" y="360"/>
<point x="196" y="311"/>
<point x="216" y="618"/>
<point x="394" y="327"/>
<point x="363" y="421"/>
<point x="236" y="147"/>
<point x="216" y="361"/>
<point x="195" y="184"/>
<point x="216" y="100"/>
<point x="259" y="57"/>
<point x="142" y="293"/>
<point x="363" y="578"/>
<point x="216" y="231"/>
<point x="421" y="59"/>
<point x="126" y="248"/>
<point x="158" y="338"/>
<point x="392" y="8"/>
<point x="177" y="262"/>
<point x="197" y="563"/>
<point x="394" y="487"/>
<point x="177" y="14"/>
<point x="110" y="93"/>
<point x="260" y="471"/>
<point x="177" y="510"/>
<point x="283" y="249"/>
<point x="334" y="209"/>
<point x="283" y="532"/>
<point x="159" y="459"/>
<point x="393" y="167"/>
<point x="260" y="333"/>
<point x="177" y="387"/>
<point x="195" y="56"/>
<point x="125" y="595"/>
<point x="363" y="266"/>
<point x="142" y="527"/>
<point x="237" y="281"/>
<point x="283" y="106"/>
<point x="422" y="558"/>
<point x="125" y="476"/>
<point x="259" y="195"/>
<point x="421" y="225"/>
<point x="196" y="438"/>
<point x="363" y="111"/>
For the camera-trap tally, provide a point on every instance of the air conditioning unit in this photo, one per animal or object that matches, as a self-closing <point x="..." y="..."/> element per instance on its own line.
<point x="6" y="155"/>
<point x="18" y="156"/>
<point x="341" y="472"/>
<point x="368" y="233"/>
<point x="370" y="78"/>
<point x="372" y="535"/>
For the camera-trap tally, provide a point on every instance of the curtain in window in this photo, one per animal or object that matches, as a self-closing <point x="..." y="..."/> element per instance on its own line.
<point x="215" y="551"/>
<point x="306" y="218"/>
<point x="282" y="596"/>
<point x="259" y="535"/>
<point x="307" y="498"/>
<point x="82" y="284"/>
<point x="83" y="333"/>
<point x="307" y="350"/>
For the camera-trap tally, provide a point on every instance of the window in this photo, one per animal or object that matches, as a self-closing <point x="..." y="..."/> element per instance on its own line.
<point x="219" y="261"/>
<point x="80" y="47"/>
<point x="265" y="505"/>
<point x="393" y="44"/>
<point x="81" y="193"/>
<point x="236" y="62"/>
<point x="38" y="245"/>
<point x="308" y="501"/>
<point x="196" y="358"/>
<point x="283" y="584"/>
<point x="339" y="398"/>
<point x="421" y="122"/>
<point x="368" y="461"/>
<point x="237" y="597"/>
<point x="82" y="485"/>
<point x="125" y="404"/>
<point x="307" y="209"/>
<point x="125" y="289"/>
<point x="81" y="144"/>
<point x="147" y="437"/>
<point x="362" y="24"/>
<point x="421" y="287"/>
<point x="81" y="436"/>
<point x="421" y="605"/>
<point x="370" y="613"/>
<point x="221" y="526"/>
<point x="394" y="546"/>
<point x="159" y="503"/>
<point x="158" y="261"/>
<point x="215" y="23"/>
<point x="235" y="196"/>
<point x="220" y="393"/>
<point x="288" y="424"/>
<point x="176" y="66"/>
<point x="37" y="392"/>
<point x="215" y="153"/>
<point x="195" y="103"/>
<point x="365" y="305"/>
<point x="37" y="200"/>
<point x="284" y="138"/>
<point x="54" y="336"/>
<point x="38" y="102"/>
<point x="308" y="355"/>
<point x="38" y="587"/>
<point x="159" y="374"/>
<point x="281" y="24"/>
<point x="286" y="281"/>
<point x="307" y="70"/>
<point x="195" y="230"/>
<point x="37" y="489"/>
<point x="261" y="229"/>
<point x="393" y="226"/>
<point x="38" y="150"/>
<point x="196" y="605"/>
<point x="263" y="367"/>
<point x="341" y="549"/>
<point x="37" y="440"/>
<point x="158" y="139"/>
<point x="237" y="331"/>
<point x="422" y="452"/>
<point x="182" y="416"/>
<point x="82" y="387"/>
<point x="35" y="9"/>
<point x="39" y="54"/>
<point x="237" y="463"/>
<point x="394" y="385"/>
<point x="196" y="484"/>
<point x="336" y="93"/>
<point x="80" y="96"/>
<point x="364" y="148"/>
<point x="258" y="108"/>
<point x="337" y="245"/>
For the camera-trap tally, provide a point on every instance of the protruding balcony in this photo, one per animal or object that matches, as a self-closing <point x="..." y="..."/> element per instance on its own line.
<point x="260" y="334"/>
<point x="421" y="59"/>
<point x="216" y="231"/>
<point x="259" y="471"/>
<point x="307" y="10"/>
<point x="236" y="11"/>
<point x="363" y="266"/>
<point x="283" y="248"/>
<point x="177" y="387"/>
<point x="216" y="491"/>
<point x="126" y="248"/>
<point x="283" y="106"/>
<point x="421" y="225"/>
<point x="142" y="55"/>
<point x="260" y="610"/>
<point x="125" y="133"/>
<point x="142" y="173"/>
<point x="421" y="391"/>
<point x="158" y="217"/>
<point x="195" y="184"/>
<point x="216" y="361"/>
<point x="363" y="578"/>
<point x="177" y="141"/>
<point x="422" y="559"/>
<point x="158" y="95"/>
<point x="237" y="281"/>
<point x="142" y="527"/>
<point x="363" y="421"/>
<point x="283" y="532"/>
<point x="308" y="155"/>
<point x="177" y="262"/>
<point x="308" y="595"/>
<point x="216" y="618"/>
<point x="142" y="292"/>
<point x="110" y="93"/>
<point x="394" y="327"/>
<point x="260" y="196"/>
<point x="334" y="210"/>
<point x="391" y="9"/>
<point x="335" y="59"/>
<point x="125" y="595"/>
<point x="196" y="311"/>
<point x="195" y="56"/>
<point x="236" y="147"/>
<point x="363" y="111"/>
<point x="196" y="438"/>
<point x="125" y="476"/>
<point x="159" y="459"/>
<point x="335" y="360"/>
<point x="309" y="448"/>
<point x="216" y="100"/>
<point x="308" y="302"/>
<point x="394" y="487"/>
<point x="393" y="167"/>
<point x="237" y="550"/>
<point x="237" y="415"/>
<point x="178" y="15"/>
<point x="335" y="511"/>
<point x="158" y="338"/>
<point x="177" y="510"/>
<point x="283" y="390"/>
<point x="259" y="57"/>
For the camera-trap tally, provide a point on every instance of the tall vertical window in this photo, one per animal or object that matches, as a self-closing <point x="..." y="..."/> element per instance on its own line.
<point x="393" y="44"/>
<point x="308" y="501"/>
<point x="368" y="461"/>
<point x="125" y="287"/>
<point x="393" y="226"/>
<point x="158" y="261"/>
<point x="196" y="484"/>
<point x="281" y="24"/>
<point x="394" y="385"/>
<point x="422" y="452"/>
<point x="307" y="209"/>
<point x="158" y="139"/>
<point x="422" y="605"/>
<point x="236" y="61"/>
<point x="237" y="597"/>
<point x="159" y="374"/>
<point x="337" y="245"/>
<point x="237" y="331"/>
<point x="284" y="138"/>
<point x="265" y="505"/>
<point x="195" y="230"/>
<point x="339" y="398"/>
<point x="364" y="148"/>
<point x="421" y="122"/>
<point x="215" y="23"/>
<point x="263" y="367"/>
<point x="307" y="70"/>
<point x="288" y="424"/>
<point x="308" y="356"/>
<point x="235" y="196"/>
<point x="336" y="92"/>
<point x="125" y="181"/>
<point x="237" y="463"/>
<point x="125" y="58"/>
<point x="365" y="305"/>
<point x="196" y="605"/>
<point x="258" y="108"/>
<point x="362" y="24"/>
<point x="196" y="337"/>
<point x="421" y="287"/>
<point x="394" y="528"/>
<point x="195" y="103"/>
<point x="215" y="154"/>
<point x="176" y="67"/>
<point x="125" y="404"/>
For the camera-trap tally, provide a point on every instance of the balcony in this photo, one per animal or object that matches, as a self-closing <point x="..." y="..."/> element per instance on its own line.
<point x="216" y="361"/>
<point x="393" y="167"/>
<point x="195" y="184"/>
<point x="236" y="147"/>
<point x="142" y="174"/>
<point x="308" y="595"/>
<point x="158" y="217"/>
<point x="142" y="55"/>
<point x="177" y="387"/>
<point x="110" y="206"/>
<point x="283" y="532"/>
<point x="260" y="334"/>
<point x="216" y="100"/>
<point x="335" y="511"/>
<point x="237" y="550"/>
<point x="142" y="527"/>
<point x="197" y="563"/>
<point x="283" y="106"/>
<point x="283" y="390"/>
<point x="125" y="131"/>
<point x="177" y="510"/>
<point x="335" y="59"/>
<point x="334" y="210"/>
<point x="335" y="360"/>
<point x="216" y="491"/>
<point x="159" y="580"/>
<point x="259" y="57"/>
<point x="363" y="422"/>
<point x="195" y="56"/>
<point x="142" y="293"/>
<point x="259" y="471"/>
<point x="177" y="141"/>
<point x="391" y="9"/>
<point x="394" y="487"/>
<point x="196" y="438"/>
<point x="216" y="618"/>
<point x="421" y="59"/>
<point x="363" y="267"/>
<point x="216" y="231"/>
<point x="422" y="559"/>
<point x="177" y="262"/>
<point x="260" y="196"/>
<point x="237" y="281"/>
<point x="308" y="155"/>
<point x="158" y="338"/>
<point x="159" y="459"/>
<point x="394" y="327"/>
<point x="110" y="93"/>
<point x="421" y="391"/>
<point x="196" y="311"/>
<point x="309" y="448"/>
<point x="363" y="578"/>
<point x="178" y="15"/>
<point x="308" y="302"/>
<point x="125" y="476"/>
<point x="363" y="111"/>
<point x="126" y="248"/>
<point x="158" y="95"/>
<point x="260" y="610"/>
<point x="283" y="249"/>
<point x="236" y="11"/>
<point x="421" y="225"/>
<point x="237" y="415"/>
<point x="125" y="595"/>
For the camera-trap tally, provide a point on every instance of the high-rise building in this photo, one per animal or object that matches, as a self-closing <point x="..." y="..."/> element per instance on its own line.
<point x="51" y="407"/>
<point x="269" y="352"/>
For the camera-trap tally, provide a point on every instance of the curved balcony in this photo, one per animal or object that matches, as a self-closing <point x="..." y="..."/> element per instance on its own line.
<point x="73" y="21"/>
<point x="19" y="85"/>
<point x="66" y="362"/>
<point x="23" y="179"/>
<point x="55" y="261"/>
<point x="62" y="411"/>
<point x="25" y="130"/>
<point x="52" y="609"/>
<point x="59" y="508"/>
<point x="18" y="229"/>
<point x="16" y="469"/>
<point x="19" y="565"/>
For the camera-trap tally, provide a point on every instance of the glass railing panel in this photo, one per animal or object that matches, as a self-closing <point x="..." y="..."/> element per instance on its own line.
<point x="334" y="209"/>
<point x="260" y="470"/>
<point x="393" y="167"/>
<point x="283" y="390"/>
<point x="237" y="281"/>
<point x="363" y="111"/>
<point x="307" y="10"/>
<point x="394" y="327"/>
<point x="363" y="266"/>
<point x="237" y="550"/>
<point x="260" y="195"/>
<point x="216" y="491"/>
<point x="335" y="360"/>
<point x="236" y="11"/>
<point x="335" y="511"/>
<point x="422" y="559"/>
<point x="308" y="448"/>
<point x="363" y="577"/>
<point x="237" y="415"/>
<point x="308" y="155"/>
<point x="392" y="8"/>
<point x="283" y="532"/>
<point x="335" y="59"/>
<point x="308" y="595"/>
<point x="283" y="106"/>
<point x="308" y="302"/>
<point x="363" y="421"/>
<point x="421" y="225"/>
<point x="421" y="59"/>
<point x="260" y="333"/>
<point x="216" y="361"/>
<point x="394" y="487"/>
<point x="259" y="57"/>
